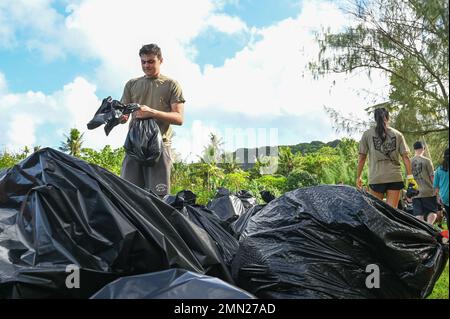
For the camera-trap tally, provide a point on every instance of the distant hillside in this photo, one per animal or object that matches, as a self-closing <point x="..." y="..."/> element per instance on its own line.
<point x="247" y="156"/>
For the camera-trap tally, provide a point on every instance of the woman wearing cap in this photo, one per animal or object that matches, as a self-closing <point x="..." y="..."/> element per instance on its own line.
<point x="440" y="183"/>
<point x="385" y="147"/>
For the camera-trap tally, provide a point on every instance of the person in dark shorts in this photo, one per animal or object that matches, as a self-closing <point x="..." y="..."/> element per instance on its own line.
<point x="385" y="147"/>
<point x="161" y="98"/>
<point x="425" y="206"/>
<point x="441" y="183"/>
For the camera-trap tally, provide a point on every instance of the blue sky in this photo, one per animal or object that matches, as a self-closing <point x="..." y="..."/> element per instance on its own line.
<point x="240" y="63"/>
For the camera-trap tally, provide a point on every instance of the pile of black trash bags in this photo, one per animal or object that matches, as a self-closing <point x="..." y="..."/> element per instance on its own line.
<point x="69" y="229"/>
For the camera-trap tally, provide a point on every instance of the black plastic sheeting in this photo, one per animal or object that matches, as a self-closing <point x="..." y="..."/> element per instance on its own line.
<point x="171" y="284"/>
<point x="144" y="141"/>
<point x="185" y="202"/>
<point x="318" y="242"/>
<point x="56" y="210"/>
<point x="109" y="113"/>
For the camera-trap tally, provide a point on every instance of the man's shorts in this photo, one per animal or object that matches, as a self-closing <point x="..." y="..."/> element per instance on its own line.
<point x="422" y="206"/>
<point x="383" y="188"/>
<point x="155" y="178"/>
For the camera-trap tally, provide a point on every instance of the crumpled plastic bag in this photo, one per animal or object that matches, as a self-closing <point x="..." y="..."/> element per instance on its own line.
<point x="109" y="113"/>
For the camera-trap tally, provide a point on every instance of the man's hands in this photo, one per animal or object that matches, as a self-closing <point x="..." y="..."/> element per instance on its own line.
<point x="145" y="112"/>
<point x="124" y="118"/>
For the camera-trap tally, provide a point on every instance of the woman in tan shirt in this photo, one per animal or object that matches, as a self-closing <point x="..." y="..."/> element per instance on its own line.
<point x="385" y="147"/>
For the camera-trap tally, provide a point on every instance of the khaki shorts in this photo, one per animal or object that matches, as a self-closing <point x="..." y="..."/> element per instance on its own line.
<point x="155" y="178"/>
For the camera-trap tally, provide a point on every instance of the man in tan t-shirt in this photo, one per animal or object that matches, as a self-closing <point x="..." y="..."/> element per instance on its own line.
<point x="160" y="98"/>
<point x="425" y="204"/>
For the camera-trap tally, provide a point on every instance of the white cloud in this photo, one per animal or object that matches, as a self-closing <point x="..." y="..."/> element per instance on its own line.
<point x="31" y="118"/>
<point x="37" y="22"/>
<point x="190" y="141"/>
<point x="115" y="35"/>
<point x="227" y="24"/>
<point x="21" y="130"/>
<point x="265" y="78"/>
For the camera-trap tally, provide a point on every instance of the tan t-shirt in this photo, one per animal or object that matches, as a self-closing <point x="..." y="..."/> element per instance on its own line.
<point x="384" y="158"/>
<point x="158" y="93"/>
<point x="422" y="169"/>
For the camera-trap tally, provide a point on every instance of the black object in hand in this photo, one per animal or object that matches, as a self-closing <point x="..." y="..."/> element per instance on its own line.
<point x="411" y="192"/>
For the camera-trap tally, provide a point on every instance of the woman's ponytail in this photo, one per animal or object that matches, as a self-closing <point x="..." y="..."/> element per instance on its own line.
<point x="381" y="115"/>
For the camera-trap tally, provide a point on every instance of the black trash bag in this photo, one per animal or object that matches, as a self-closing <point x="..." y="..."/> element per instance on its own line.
<point x="238" y="226"/>
<point x="227" y="207"/>
<point x="247" y="199"/>
<point x="221" y="192"/>
<point x="184" y="201"/>
<point x="318" y="242"/>
<point x="109" y="113"/>
<point x="181" y="199"/>
<point x="171" y="284"/>
<point x="144" y="142"/>
<point x="267" y="196"/>
<point x="204" y="218"/>
<point x="57" y="211"/>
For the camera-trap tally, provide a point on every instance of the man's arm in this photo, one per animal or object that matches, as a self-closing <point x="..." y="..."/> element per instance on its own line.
<point x="175" y="116"/>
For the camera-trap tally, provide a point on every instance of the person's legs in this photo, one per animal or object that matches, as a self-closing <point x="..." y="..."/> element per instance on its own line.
<point x="392" y="197"/>
<point x="376" y="194"/>
<point x="157" y="177"/>
<point x="430" y="206"/>
<point x="377" y="190"/>
<point x="132" y="171"/>
<point x="418" y="209"/>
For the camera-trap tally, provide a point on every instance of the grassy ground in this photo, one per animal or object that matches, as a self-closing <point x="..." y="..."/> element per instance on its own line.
<point x="440" y="290"/>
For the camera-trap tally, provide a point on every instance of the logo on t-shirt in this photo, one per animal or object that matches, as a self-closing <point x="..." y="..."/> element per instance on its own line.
<point x="161" y="188"/>
<point x="389" y="145"/>
<point x="417" y="170"/>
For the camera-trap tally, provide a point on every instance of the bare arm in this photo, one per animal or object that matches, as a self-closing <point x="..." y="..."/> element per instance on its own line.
<point x="175" y="116"/>
<point x="361" y="161"/>
<point x="407" y="162"/>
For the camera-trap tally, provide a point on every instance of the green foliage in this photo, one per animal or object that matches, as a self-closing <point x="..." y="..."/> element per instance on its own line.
<point x="9" y="159"/>
<point x="312" y="147"/>
<point x="285" y="160"/>
<point x="236" y="181"/>
<point x="300" y="179"/>
<point x="108" y="158"/>
<point x="73" y="143"/>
